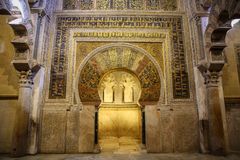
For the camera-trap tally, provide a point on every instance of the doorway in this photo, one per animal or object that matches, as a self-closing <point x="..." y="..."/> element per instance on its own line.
<point x="119" y="115"/>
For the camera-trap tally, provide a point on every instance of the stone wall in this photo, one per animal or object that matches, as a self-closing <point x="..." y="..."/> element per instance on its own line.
<point x="231" y="70"/>
<point x="67" y="131"/>
<point x="7" y="118"/>
<point x="233" y="123"/>
<point x="8" y="86"/>
<point x="172" y="129"/>
<point x="231" y="87"/>
<point x="168" y="130"/>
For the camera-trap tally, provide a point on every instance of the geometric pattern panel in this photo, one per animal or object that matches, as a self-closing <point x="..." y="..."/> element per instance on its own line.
<point x="174" y="24"/>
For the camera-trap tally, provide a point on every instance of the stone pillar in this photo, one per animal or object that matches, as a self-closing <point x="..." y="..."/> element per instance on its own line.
<point x="200" y="21"/>
<point x="200" y="31"/>
<point x="217" y="142"/>
<point x="20" y="133"/>
<point x="202" y="110"/>
<point x="35" y="111"/>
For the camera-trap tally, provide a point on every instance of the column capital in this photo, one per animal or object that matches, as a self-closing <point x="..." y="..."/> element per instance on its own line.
<point x="212" y="78"/>
<point x="197" y="19"/>
<point x="26" y="79"/>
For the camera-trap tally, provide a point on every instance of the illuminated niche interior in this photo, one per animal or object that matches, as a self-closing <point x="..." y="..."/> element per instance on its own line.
<point x="119" y="114"/>
<point x="119" y="87"/>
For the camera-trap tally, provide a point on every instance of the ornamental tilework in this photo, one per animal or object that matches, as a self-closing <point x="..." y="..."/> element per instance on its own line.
<point x="172" y="23"/>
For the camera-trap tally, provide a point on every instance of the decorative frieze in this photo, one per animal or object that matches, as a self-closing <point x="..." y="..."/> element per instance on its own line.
<point x="172" y="23"/>
<point x="116" y="34"/>
<point x="167" y="5"/>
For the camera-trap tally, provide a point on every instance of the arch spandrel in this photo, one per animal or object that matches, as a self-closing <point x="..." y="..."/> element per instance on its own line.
<point x="119" y="57"/>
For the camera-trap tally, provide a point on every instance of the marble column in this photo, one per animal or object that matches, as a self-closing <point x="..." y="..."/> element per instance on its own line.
<point x="20" y="133"/>
<point x="202" y="110"/>
<point x="217" y="142"/>
<point x="200" y="26"/>
<point x="35" y="111"/>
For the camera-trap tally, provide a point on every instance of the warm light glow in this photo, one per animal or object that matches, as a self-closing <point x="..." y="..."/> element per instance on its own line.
<point x="235" y="21"/>
<point x="119" y="118"/>
<point x="119" y="87"/>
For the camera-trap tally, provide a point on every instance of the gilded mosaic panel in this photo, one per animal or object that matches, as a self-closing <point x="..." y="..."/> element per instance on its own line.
<point x="104" y="4"/>
<point x="167" y="5"/>
<point x="155" y="49"/>
<point x="84" y="48"/>
<point x="150" y="83"/>
<point x="88" y="83"/>
<point x="153" y="5"/>
<point x="118" y="58"/>
<point x="69" y="4"/>
<point x="78" y="4"/>
<point x="172" y="23"/>
<point x="135" y="4"/>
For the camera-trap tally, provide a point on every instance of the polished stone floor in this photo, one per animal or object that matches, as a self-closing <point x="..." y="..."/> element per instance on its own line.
<point x="132" y="156"/>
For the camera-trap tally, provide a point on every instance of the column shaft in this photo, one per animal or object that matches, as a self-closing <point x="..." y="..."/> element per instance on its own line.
<point x="20" y="134"/>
